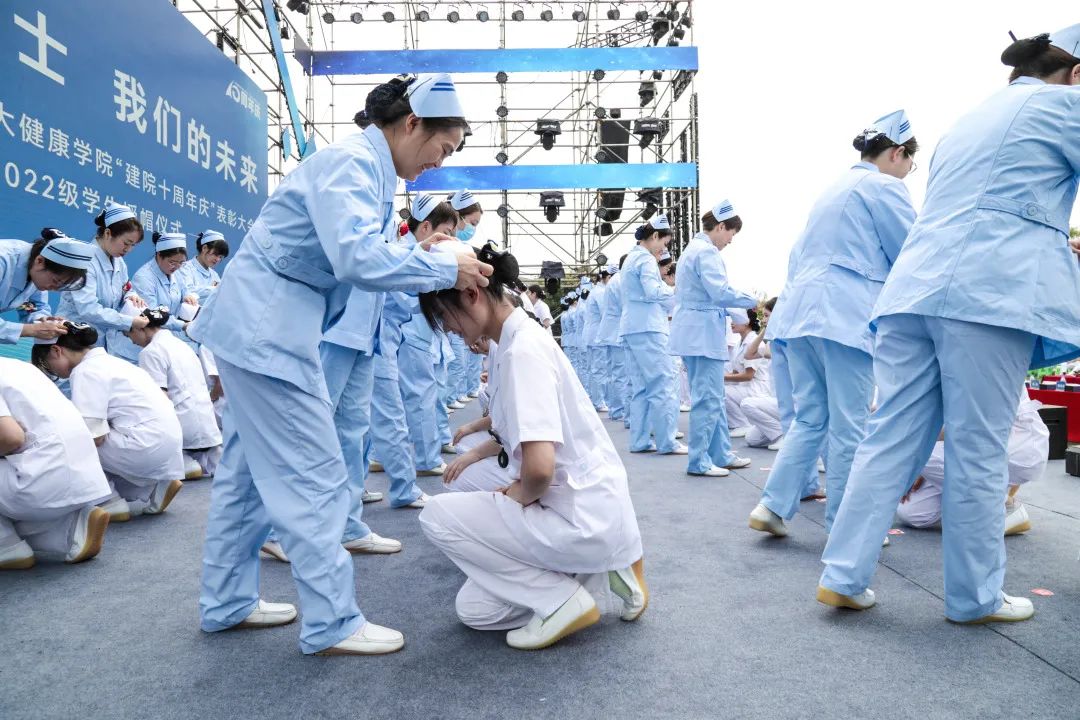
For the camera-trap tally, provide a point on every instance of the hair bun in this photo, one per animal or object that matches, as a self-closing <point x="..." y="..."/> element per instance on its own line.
<point x="1025" y="50"/>
<point x="83" y="334"/>
<point x="155" y="237"/>
<point x="100" y="220"/>
<point x="505" y="269"/>
<point x="382" y="97"/>
<point x="157" y="316"/>
<point x="52" y="233"/>
<point x="859" y="143"/>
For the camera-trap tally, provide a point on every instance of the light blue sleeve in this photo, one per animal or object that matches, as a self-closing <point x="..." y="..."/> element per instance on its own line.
<point x="11" y="331"/>
<point x="344" y="204"/>
<point x="652" y="287"/>
<point x="715" y="282"/>
<point x="893" y="216"/>
<point x="188" y="278"/>
<point x="1070" y="136"/>
<point x="91" y="311"/>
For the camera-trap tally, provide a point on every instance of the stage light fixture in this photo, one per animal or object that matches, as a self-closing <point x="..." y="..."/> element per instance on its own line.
<point x="453" y="16"/>
<point x="673" y="14"/>
<point x="300" y="6"/>
<point x="502" y="158"/>
<point x="613" y="13"/>
<point x="679" y="32"/>
<point x="503" y="211"/>
<point x="641" y="15"/>
<point x="578" y="15"/>
<point x="657" y="74"/>
<point x="404" y="214"/>
<point x="649" y="128"/>
<point x="501" y="77"/>
<point x="603" y="229"/>
<point x="660" y="28"/>
<point x="551" y="201"/>
<point x="652" y="198"/>
<point x="328" y="17"/>
<point x="598" y="75"/>
<point x="482" y="15"/>
<point x="646" y="93"/>
<point x="388" y="16"/>
<point x="502" y="111"/>
<point x="546" y="15"/>
<point x="686" y="21"/>
<point x="548" y="130"/>
<point x="600" y="113"/>
<point x="601" y="260"/>
<point x="615" y="113"/>
<point x="673" y="41"/>
<point x="518" y="15"/>
<point x="423" y="15"/>
<point x="284" y="31"/>
<point x="357" y="18"/>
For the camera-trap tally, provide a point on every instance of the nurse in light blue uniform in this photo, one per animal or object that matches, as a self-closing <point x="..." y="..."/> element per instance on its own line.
<point x="198" y="274"/>
<point x="597" y="353"/>
<point x="644" y="327"/>
<point x="569" y="330"/>
<point x="986" y="286"/>
<point x="699" y="336"/>
<point x="852" y="238"/>
<point x="100" y="301"/>
<point x="159" y="284"/>
<point x="469" y="214"/>
<point x="323" y="231"/>
<point x="610" y="345"/>
<point x="28" y="271"/>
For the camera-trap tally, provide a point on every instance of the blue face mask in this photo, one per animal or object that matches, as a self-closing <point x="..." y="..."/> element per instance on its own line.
<point x="466" y="233"/>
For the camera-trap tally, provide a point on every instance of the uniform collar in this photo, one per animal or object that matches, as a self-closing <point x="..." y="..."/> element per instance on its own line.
<point x="22" y="269"/>
<point x="866" y="166"/>
<point x="94" y="352"/>
<point x="514" y="322"/>
<point x="159" y="274"/>
<point x="375" y="136"/>
<point x="1027" y="80"/>
<point x="103" y="259"/>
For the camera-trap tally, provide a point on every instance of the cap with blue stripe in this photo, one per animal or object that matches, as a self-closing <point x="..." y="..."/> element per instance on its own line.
<point x="422" y="206"/>
<point x="115" y="212"/>
<point x="724" y="211"/>
<point x="170" y="241"/>
<point x="660" y="222"/>
<point x="894" y="126"/>
<point x="69" y="253"/>
<point x="211" y="236"/>
<point x="433" y="95"/>
<point x="1068" y="39"/>
<point x="462" y="199"/>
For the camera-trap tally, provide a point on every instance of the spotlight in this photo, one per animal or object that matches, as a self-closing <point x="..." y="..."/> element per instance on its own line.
<point x="653" y="198"/>
<point x="547" y="130"/>
<point x="300" y="6"/>
<point x="284" y="31"/>
<point x="517" y="15"/>
<point x="660" y="28"/>
<point x="649" y="128"/>
<point x="502" y="158"/>
<point x="482" y="15"/>
<point x="328" y="17"/>
<point x="551" y="201"/>
<point x="357" y="18"/>
<point x="503" y="211"/>
<point x="603" y="229"/>
<point x="673" y="41"/>
<point x="453" y="16"/>
<point x="657" y="75"/>
<point x="601" y="259"/>
<point x="598" y="75"/>
<point x="600" y="113"/>
<point x="613" y="13"/>
<point x="502" y="111"/>
<point x="578" y="15"/>
<point x="404" y="214"/>
<point x="388" y="16"/>
<point x="686" y="21"/>
<point x="646" y="93"/>
<point x="423" y="15"/>
<point x="641" y="15"/>
<point x="679" y="32"/>
<point x="500" y="77"/>
<point x="615" y="113"/>
<point x="673" y="14"/>
<point x="547" y="15"/>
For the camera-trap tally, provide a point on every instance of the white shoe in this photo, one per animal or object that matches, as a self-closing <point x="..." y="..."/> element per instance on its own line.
<point x="862" y="601"/>
<point x="370" y="639"/>
<point x="820" y="465"/>
<point x="679" y="449"/>
<point x="737" y="432"/>
<point x="456" y="405"/>
<point x="684" y="408"/>
<point x="449" y="449"/>
<point x="679" y="434"/>
<point x="765" y="520"/>
<point x="648" y="449"/>
<point x="419" y="502"/>
<point x="375" y="466"/>
<point x="577" y="613"/>
<point x="163" y="494"/>
<point x="602" y="409"/>
<point x="432" y="472"/>
<point x="886" y="542"/>
<point x="629" y="584"/>
<point x="777" y="445"/>
<point x="739" y="462"/>
<point x="89" y="534"/>
<point x="371" y="497"/>
<point x="1013" y="609"/>
<point x="464" y="399"/>
<point x="372" y="544"/>
<point x="474" y="394"/>
<point x="192" y="469"/>
<point x="19" y="556"/>
<point x="711" y="472"/>
<point x="273" y="549"/>
<point x="1017" y="520"/>
<point x="117" y="508"/>
<point x="268" y="614"/>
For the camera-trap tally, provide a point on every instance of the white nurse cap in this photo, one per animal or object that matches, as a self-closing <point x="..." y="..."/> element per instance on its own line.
<point x="210" y="236"/>
<point x="665" y="257"/>
<point x="660" y="222"/>
<point x="724" y="211"/>
<point x="612" y="269"/>
<point x="69" y="253"/>
<point x="894" y="126"/>
<point x="434" y="96"/>
<point x="462" y="199"/>
<point x="170" y="241"/>
<point x="1068" y="39"/>
<point x="422" y="206"/>
<point x="738" y="316"/>
<point x="115" y="212"/>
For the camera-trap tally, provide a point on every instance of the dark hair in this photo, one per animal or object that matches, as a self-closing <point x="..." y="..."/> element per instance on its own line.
<point x="157" y="316"/>
<point x="80" y="336"/>
<point x="504" y="274"/>
<point x="217" y="247"/>
<point x="647" y="229"/>
<point x="770" y="304"/>
<point x="166" y="253"/>
<point x="671" y="269"/>
<point x="538" y="291"/>
<point x="1036" y="57"/>
<point x="442" y="213"/>
<point x="622" y="260"/>
<point x="751" y="315"/>
<point x="475" y="207"/>
<point x="584" y="294"/>
<point x="120" y="227"/>
<point x="388" y="103"/>
<point x="871" y="147"/>
<point x="709" y="222"/>
<point x="76" y="277"/>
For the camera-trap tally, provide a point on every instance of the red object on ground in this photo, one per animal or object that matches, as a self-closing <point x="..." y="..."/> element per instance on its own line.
<point x="1042" y="591"/>
<point x="1069" y="400"/>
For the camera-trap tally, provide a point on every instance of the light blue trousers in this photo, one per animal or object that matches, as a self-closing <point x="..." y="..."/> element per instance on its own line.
<point x="389" y="439"/>
<point x="475" y="363"/>
<point x="442" y="413"/>
<point x="834" y="385"/>
<point x="281" y="464"/>
<point x="781" y="377"/>
<point x="933" y="372"/>
<point x="617" y="391"/>
<point x="710" y="439"/>
<point x="599" y="373"/>
<point x="420" y="398"/>
<point x="459" y="368"/>
<point x="655" y="405"/>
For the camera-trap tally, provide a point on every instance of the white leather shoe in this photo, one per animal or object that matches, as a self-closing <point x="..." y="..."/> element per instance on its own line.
<point x="19" y="556"/>
<point x="765" y="520"/>
<point x="648" y="449"/>
<point x="1017" y="520"/>
<point x="820" y="465"/>
<point x="1013" y="609"/>
<point x="419" y="502"/>
<point x="577" y="613"/>
<point x="268" y="614"/>
<point x="370" y="639"/>
<point x="776" y="445"/>
<point x="711" y="472"/>
<point x="432" y="472"/>
<point x="737" y="432"/>
<point x="679" y="434"/>
<point x="117" y="508"/>
<point x="464" y="399"/>
<point x="449" y="449"/>
<point x="886" y="542"/>
<point x="629" y="584"/>
<point x="164" y="492"/>
<point x="89" y="534"/>
<point x="684" y="408"/>
<point x="862" y="601"/>
<point x="456" y="405"/>
<point x="371" y="497"/>
<point x="375" y="466"/>
<point x="373" y="544"/>
<point x="192" y="469"/>
<point x="273" y="549"/>
<point x="474" y="395"/>
<point x="679" y="449"/>
<point x="739" y="462"/>
<point x="602" y="409"/>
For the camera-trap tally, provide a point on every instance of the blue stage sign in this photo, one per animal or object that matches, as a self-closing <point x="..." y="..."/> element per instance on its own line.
<point x="124" y="100"/>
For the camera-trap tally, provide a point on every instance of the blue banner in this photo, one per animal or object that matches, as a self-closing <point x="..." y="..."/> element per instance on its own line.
<point x="394" y="62"/>
<point x="124" y="100"/>
<point x="557" y="177"/>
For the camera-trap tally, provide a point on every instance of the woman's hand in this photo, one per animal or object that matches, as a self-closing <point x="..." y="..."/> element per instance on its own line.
<point x="484" y="377"/>
<point x="191" y="299"/>
<point x="462" y="431"/>
<point x="513" y="491"/>
<point x="1074" y="245"/>
<point x="458" y="465"/>
<point x="918" y="484"/>
<point x="44" y="330"/>
<point x="137" y="301"/>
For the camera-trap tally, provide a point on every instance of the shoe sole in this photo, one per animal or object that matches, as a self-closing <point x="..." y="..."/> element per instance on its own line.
<point x="174" y="487"/>
<point x="1017" y="529"/>
<point x="20" y="564"/>
<point x="590" y="617"/>
<point x="273" y="555"/>
<point x="642" y="452"/>
<point x="370" y="551"/>
<point x="246" y="625"/>
<point x="332" y="651"/>
<point x="825" y="596"/>
<point x="96" y="525"/>
<point x="119" y="517"/>
<point x="694" y="474"/>
<point x="992" y="618"/>
<point x="428" y="473"/>
<point x="639" y="572"/>
<point x="763" y="526"/>
<point x="373" y="468"/>
<point x="374" y="500"/>
<point x="737" y="467"/>
<point x="193" y="475"/>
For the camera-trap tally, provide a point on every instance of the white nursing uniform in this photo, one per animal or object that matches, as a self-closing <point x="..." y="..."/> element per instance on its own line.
<point x="520" y="560"/>
<point x="736" y="392"/>
<point x="760" y="407"/>
<point x="174" y="366"/>
<point x="543" y="314"/>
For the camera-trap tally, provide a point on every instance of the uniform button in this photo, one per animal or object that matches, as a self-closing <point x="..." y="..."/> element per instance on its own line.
<point x="282" y="263"/>
<point x="264" y="243"/>
<point x="1032" y="210"/>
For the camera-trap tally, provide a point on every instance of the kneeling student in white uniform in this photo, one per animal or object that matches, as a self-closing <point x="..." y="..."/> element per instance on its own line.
<point x="50" y="477"/>
<point x="176" y="369"/>
<point x="566" y="518"/>
<point x="132" y="422"/>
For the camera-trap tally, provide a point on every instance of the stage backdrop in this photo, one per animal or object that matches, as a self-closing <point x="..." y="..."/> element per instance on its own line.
<point x="124" y="99"/>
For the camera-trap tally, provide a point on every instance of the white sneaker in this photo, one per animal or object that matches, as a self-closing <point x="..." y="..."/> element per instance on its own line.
<point x="449" y="449"/>
<point x="456" y="405"/>
<point x="370" y="639"/>
<point x="1013" y="609"/>
<point x="118" y="509"/>
<point x="711" y="472"/>
<point x="163" y="494"/>
<point x="629" y="584"/>
<point x="1017" y="520"/>
<point x="19" y="556"/>
<point x="777" y="445"/>
<point x="419" y="502"/>
<point x="684" y="408"/>
<point x="679" y="434"/>
<point x="375" y="466"/>
<point x="372" y="544"/>
<point x="679" y="449"/>
<point x="820" y="465"/>
<point x="474" y="394"/>
<point x="739" y="462"/>
<point x="89" y="534"/>
<point x="464" y="399"/>
<point x="648" y="449"/>
<point x="371" y="497"/>
<point x="886" y="542"/>
<point x="577" y="613"/>
<point x="273" y="549"/>
<point x="192" y="469"/>
<point x="737" y="432"/>
<point x="862" y="601"/>
<point x="602" y="409"/>
<point x="268" y="614"/>
<point x="765" y="520"/>
<point x="432" y="472"/>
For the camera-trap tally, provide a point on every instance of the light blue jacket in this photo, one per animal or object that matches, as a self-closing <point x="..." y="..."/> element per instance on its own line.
<point x="991" y="245"/>
<point x="322" y="232"/>
<point x="198" y="280"/>
<point x="608" y="334"/>
<point x="569" y="332"/>
<point x="160" y="290"/>
<point x="415" y="331"/>
<point x="98" y="302"/>
<point x="701" y="293"/>
<point x="594" y="311"/>
<point x="16" y="290"/>
<point x="644" y="294"/>
<point x="841" y="261"/>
